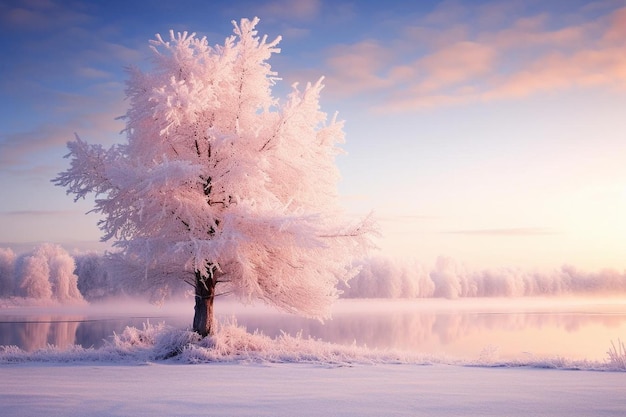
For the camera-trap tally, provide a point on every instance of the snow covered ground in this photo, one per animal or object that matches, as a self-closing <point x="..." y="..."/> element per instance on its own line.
<point x="290" y="389"/>
<point x="160" y="370"/>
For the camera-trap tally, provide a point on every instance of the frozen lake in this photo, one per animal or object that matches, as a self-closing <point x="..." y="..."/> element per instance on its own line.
<point x="506" y="328"/>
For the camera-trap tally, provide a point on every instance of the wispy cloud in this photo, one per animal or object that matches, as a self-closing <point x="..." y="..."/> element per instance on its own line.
<point x="19" y="149"/>
<point x="459" y="63"/>
<point x="90" y="72"/>
<point x="287" y="9"/>
<point x="29" y="15"/>
<point x="456" y="61"/>
<point x="89" y="59"/>
<point x="408" y="218"/>
<point x="447" y="11"/>
<point x="515" y="231"/>
<point x="16" y="148"/>
<point x="357" y="68"/>
<point x="39" y="213"/>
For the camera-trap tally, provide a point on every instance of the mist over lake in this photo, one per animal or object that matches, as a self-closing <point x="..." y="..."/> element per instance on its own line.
<point x="469" y="329"/>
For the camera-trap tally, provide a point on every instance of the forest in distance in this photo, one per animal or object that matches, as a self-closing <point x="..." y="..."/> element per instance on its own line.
<point x="50" y="273"/>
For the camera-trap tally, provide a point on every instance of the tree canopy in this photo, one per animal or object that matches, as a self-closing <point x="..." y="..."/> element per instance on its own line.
<point x="222" y="181"/>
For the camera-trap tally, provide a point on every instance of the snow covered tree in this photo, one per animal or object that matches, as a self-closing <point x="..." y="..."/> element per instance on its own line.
<point x="7" y="270"/>
<point x="47" y="273"/>
<point x="222" y="185"/>
<point x="94" y="281"/>
<point x="33" y="274"/>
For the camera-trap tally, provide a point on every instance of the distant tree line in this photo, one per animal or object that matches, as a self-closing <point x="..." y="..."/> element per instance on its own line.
<point x="382" y="277"/>
<point x="46" y="273"/>
<point x="49" y="272"/>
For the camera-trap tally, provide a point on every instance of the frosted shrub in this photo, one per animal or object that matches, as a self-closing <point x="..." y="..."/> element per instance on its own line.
<point x="134" y="342"/>
<point x="233" y="339"/>
<point x="171" y="342"/>
<point x="233" y="343"/>
<point x="617" y="356"/>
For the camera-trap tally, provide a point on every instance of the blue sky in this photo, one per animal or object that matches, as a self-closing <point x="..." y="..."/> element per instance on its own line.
<point x="489" y="132"/>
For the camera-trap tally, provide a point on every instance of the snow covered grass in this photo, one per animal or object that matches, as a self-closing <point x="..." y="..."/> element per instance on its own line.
<point x="234" y="344"/>
<point x="231" y="343"/>
<point x="145" y="371"/>
<point x="617" y="355"/>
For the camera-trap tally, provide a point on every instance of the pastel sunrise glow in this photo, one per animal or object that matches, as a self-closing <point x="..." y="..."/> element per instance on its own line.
<point x="223" y="255"/>
<point x="488" y="132"/>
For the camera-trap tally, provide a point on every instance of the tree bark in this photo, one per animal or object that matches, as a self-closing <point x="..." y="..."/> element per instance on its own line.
<point x="205" y="294"/>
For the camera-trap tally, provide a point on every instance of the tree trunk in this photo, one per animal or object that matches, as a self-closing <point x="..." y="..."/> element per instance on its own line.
<point x="205" y="293"/>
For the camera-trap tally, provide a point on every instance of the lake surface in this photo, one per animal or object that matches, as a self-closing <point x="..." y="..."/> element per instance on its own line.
<point x="468" y="328"/>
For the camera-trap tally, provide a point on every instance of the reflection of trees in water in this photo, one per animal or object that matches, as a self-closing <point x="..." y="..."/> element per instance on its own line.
<point x="34" y="335"/>
<point x="62" y="334"/>
<point x="410" y="330"/>
<point x="93" y="333"/>
<point x="40" y="332"/>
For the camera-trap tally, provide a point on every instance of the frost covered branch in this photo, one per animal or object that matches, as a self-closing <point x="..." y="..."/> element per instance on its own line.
<point x="220" y="181"/>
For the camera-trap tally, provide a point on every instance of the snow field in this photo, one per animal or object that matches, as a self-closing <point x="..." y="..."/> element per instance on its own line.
<point x="237" y="389"/>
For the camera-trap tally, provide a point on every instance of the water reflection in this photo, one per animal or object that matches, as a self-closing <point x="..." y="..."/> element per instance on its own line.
<point x="32" y="333"/>
<point x="43" y="331"/>
<point x="465" y="333"/>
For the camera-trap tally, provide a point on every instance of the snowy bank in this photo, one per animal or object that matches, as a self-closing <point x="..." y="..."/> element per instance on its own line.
<point x="228" y="389"/>
<point x="148" y="371"/>
<point x="234" y="344"/>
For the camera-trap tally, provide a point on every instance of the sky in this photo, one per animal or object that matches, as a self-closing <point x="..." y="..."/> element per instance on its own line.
<point x="490" y="132"/>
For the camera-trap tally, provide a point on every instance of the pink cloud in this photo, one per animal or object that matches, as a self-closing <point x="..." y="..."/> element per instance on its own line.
<point x="530" y="32"/>
<point x="447" y="77"/>
<point x="617" y="29"/>
<point x="362" y="67"/>
<point x="356" y="68"/>
<point x="406" y="102"/>
<point x="455" y="64"/>
<point x="527" y="58"/>
<point x="586" y="68"/>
